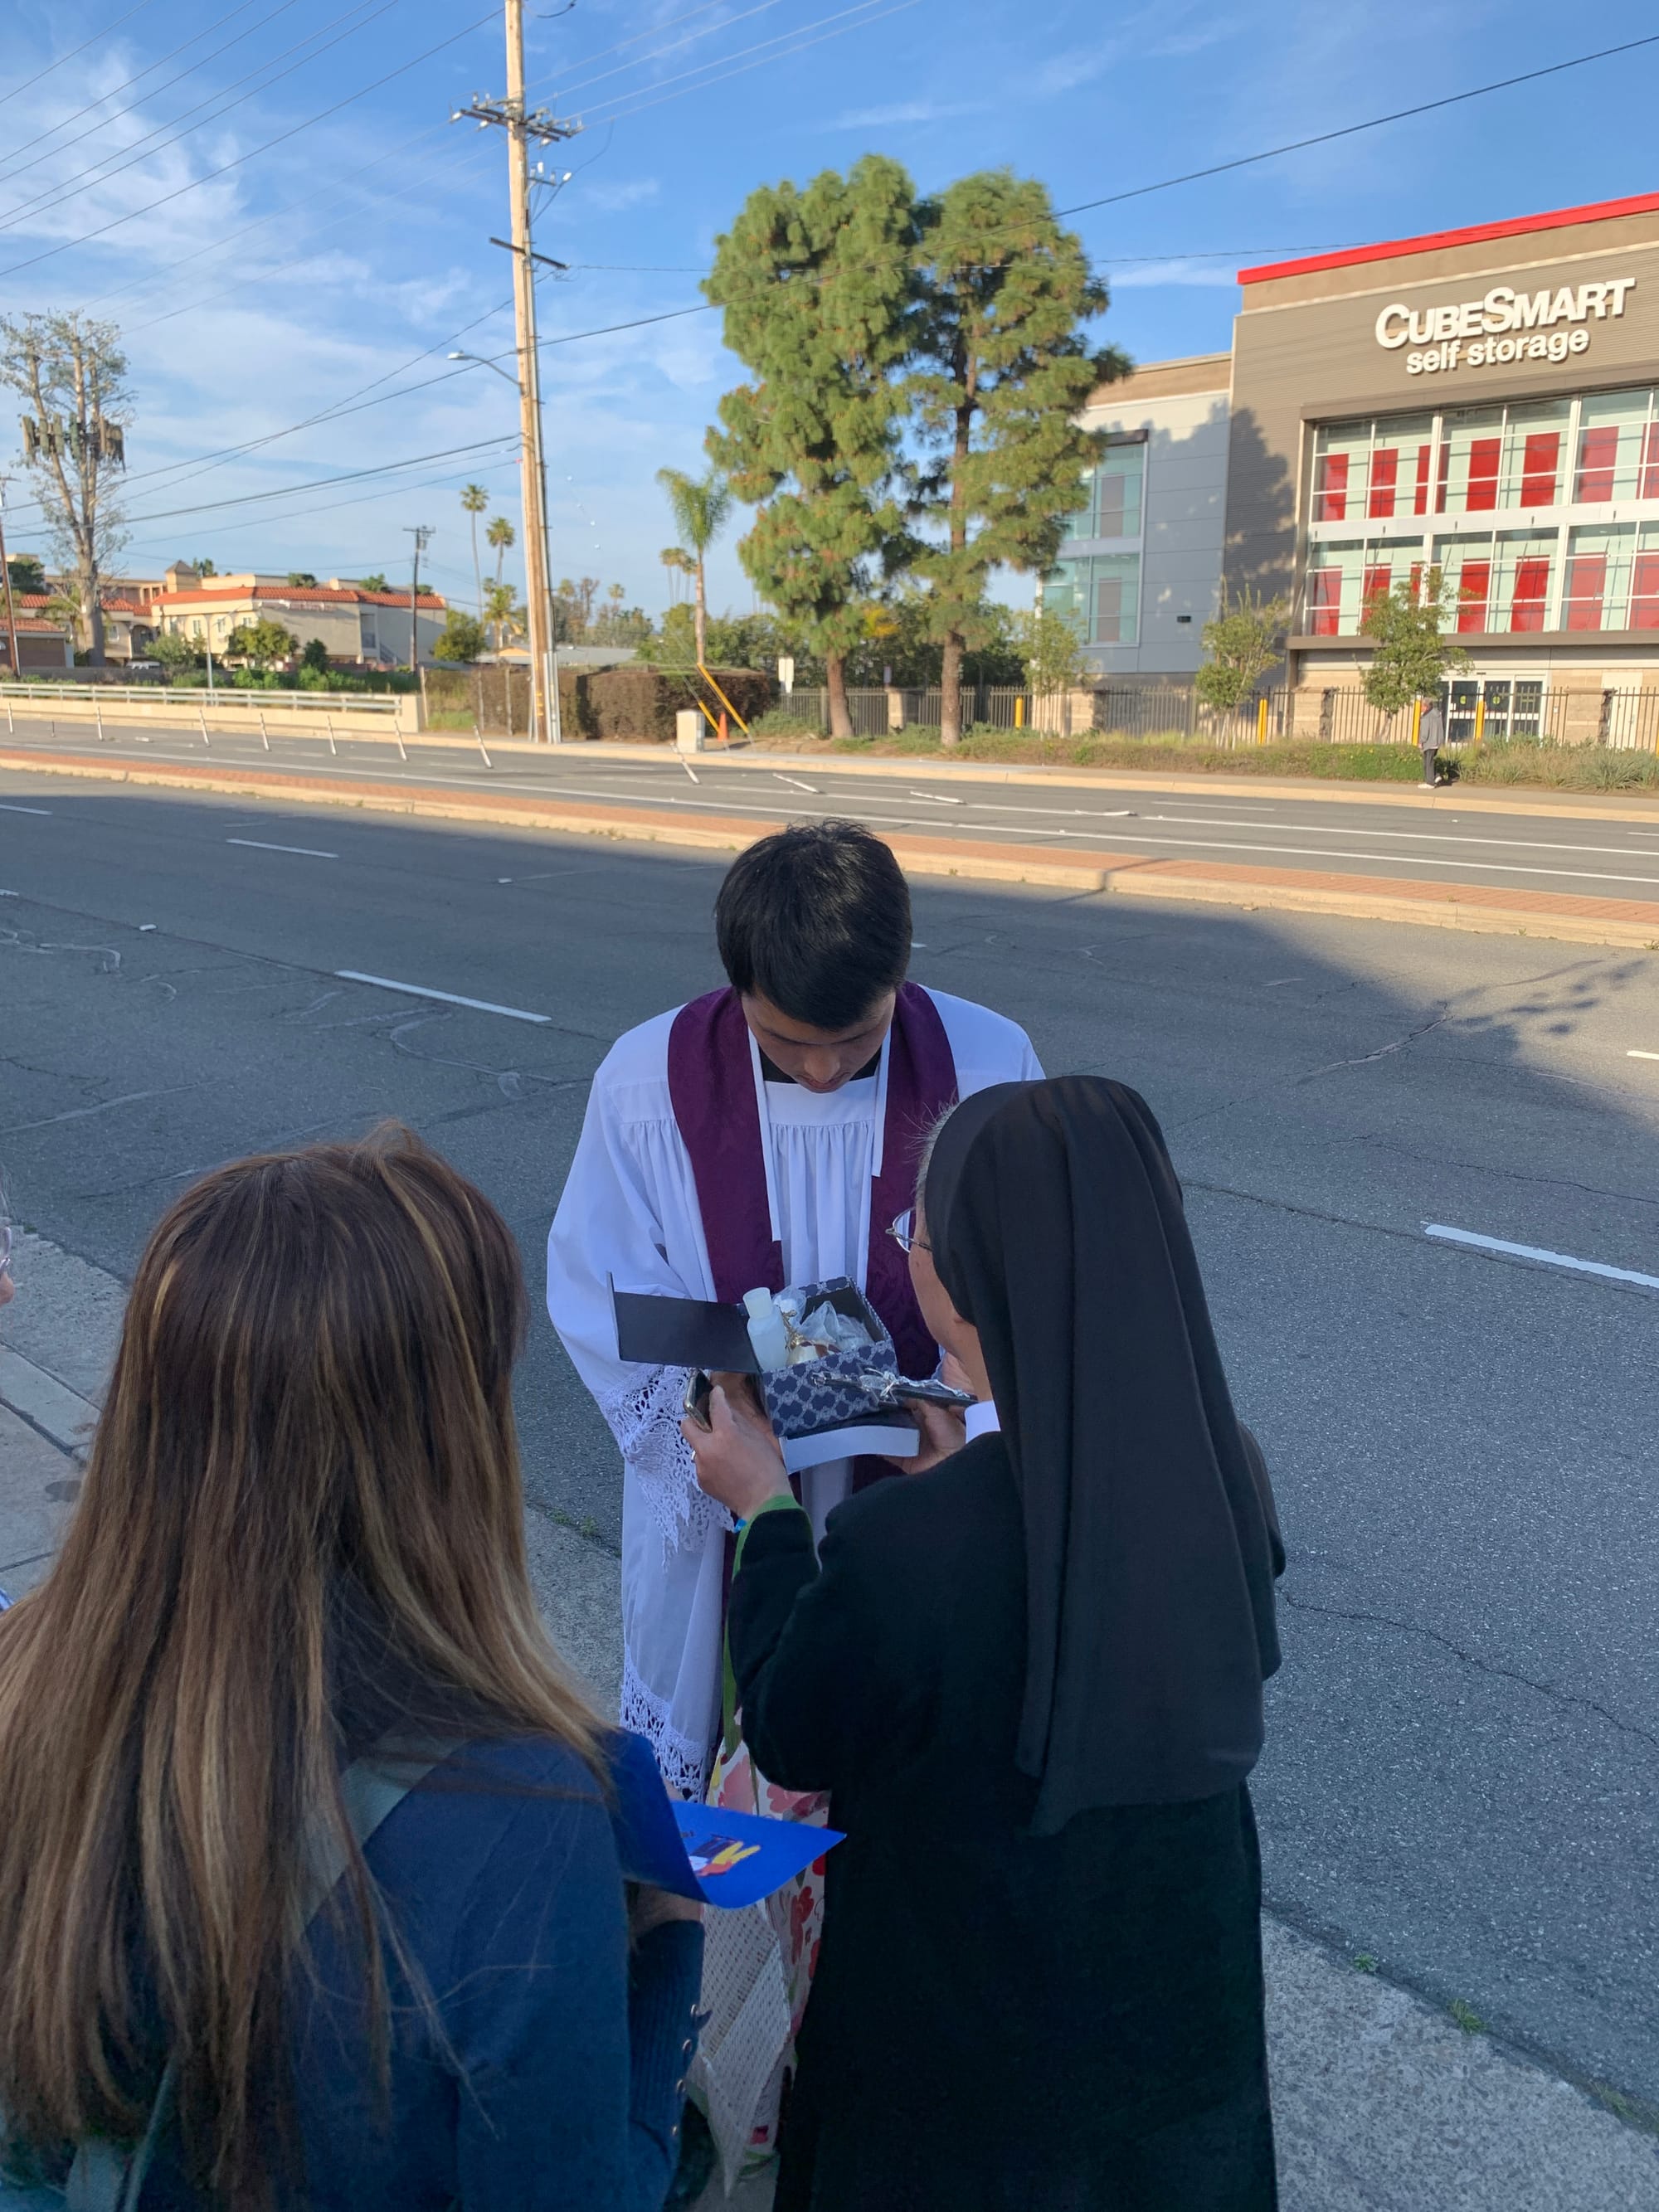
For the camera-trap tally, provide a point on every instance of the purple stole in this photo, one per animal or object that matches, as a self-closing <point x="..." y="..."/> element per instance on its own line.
<point x="711" y="1085"/>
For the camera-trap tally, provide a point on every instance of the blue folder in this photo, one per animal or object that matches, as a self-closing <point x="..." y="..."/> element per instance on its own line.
<point x="703" y="1851"/>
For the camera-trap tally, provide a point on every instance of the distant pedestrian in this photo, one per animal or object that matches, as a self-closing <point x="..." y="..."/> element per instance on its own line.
<point x="1030" y="1677"/>
<point x="1431" y="736"/>
<point x="294" y="1586"/>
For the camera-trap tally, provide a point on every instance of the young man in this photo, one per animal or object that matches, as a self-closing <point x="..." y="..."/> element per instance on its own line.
<point x="765" y="1134"/>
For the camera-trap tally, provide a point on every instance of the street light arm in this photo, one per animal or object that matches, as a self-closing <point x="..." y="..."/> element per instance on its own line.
<point x="479" y="361"/>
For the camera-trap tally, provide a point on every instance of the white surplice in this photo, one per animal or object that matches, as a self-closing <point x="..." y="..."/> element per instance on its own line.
<point x="629" y="1213"/>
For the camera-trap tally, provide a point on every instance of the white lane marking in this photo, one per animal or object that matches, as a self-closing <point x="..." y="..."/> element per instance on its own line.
<point x="1411" y="837"/>
<point x="938" y="799"/>
<point x="4" y="808"/>
<point x="691" y="771"/>
<point x="1393" y="860"/>
<point x="1642" y="1055"/>
<point x="798" y="784"/>
<point x="1279" y="982"/>
<point x="449" y="997"/>
<point x="1438" y="1230"/>
<point x="258" y="845"/>
<point x="1093" y="813"/>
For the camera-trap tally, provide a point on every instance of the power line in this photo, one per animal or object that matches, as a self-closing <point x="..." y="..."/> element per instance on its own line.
<point x="18" y="90"/>
<point x="709" y="31"/>
<point x="138" y="77"/>
<point x="253" y="152"/>
<point x="323" y="484"/>
<point x="623" y="113"/>
<point x="156" y="143"/>
<point x="1374" y="122"/>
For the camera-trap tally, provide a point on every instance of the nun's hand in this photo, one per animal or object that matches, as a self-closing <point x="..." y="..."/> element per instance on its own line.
<point x="739" y="1462"/>
<point x="943" y="1433"/>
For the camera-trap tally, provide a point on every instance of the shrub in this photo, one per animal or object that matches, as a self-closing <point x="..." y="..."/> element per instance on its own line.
<point x="638" y="700"/>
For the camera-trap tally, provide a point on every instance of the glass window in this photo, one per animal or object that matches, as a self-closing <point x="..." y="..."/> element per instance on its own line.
<point x="1613" y="445"/>
<point x="1115" y="581"/>
<point x="1112" y="494"/>
<point x="1597" y="579"/>
<point x="1341" y="458"/>
<point x="1525" y="562"/>
<point x="1118" y="481"/>
<point x="1101" y="597"/>
<point x="1471" y="441"/>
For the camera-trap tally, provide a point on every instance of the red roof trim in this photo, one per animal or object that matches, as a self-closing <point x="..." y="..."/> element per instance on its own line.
<point x="1520" y="226"/>
<point x="294" y="595"/>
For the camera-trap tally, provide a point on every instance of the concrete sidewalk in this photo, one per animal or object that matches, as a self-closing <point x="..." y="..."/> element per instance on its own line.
<point x="1383" y="2103"/>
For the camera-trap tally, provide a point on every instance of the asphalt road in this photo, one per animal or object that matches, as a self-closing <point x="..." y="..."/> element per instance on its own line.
<point x="1463" y="1778"/>
<point x="1422" y="837"/>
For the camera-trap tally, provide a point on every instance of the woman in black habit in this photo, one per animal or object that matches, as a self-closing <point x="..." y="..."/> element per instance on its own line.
<point x="1031" y="1676"/>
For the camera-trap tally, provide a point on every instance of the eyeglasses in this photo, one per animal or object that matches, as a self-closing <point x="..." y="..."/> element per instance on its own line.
<point x="906" y="1234"/>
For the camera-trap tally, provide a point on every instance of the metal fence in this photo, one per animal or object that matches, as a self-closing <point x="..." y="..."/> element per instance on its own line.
<point x="188" y="697"/>
<point x="1491" y="708"/>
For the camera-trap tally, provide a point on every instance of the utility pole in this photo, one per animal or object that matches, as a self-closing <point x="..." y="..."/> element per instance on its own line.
<point x="522" y="126"/>
<point x="423" y="535"/>
<point x="16" y="669"/>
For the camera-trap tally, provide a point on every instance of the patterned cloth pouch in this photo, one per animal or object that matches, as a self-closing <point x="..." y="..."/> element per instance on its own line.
<point x="833" y="1392"/>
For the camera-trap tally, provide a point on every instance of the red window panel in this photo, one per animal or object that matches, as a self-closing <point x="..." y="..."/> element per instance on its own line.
<point x="1379" y="582"/>
<point x="1587" y="584"/>
<point x="1324" y="601"/>
<point x="1417" y="582"/>
<point x="1540" y="465"/>
<point x="1484" y="456"/>
<point x="1598" y="457"/>
<point x="1532" y="591"/>
<point x="1650" y="462"/>
<point x="1473" y="586"/>
<point x="1385" y="475"/>
<point x="1420" y="504"/>
<point x="1331" y="498"/>
<point x="1645" y="592"/>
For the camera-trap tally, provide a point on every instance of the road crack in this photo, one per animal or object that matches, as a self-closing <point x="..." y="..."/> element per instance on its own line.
<point x="1472" y="1659"/>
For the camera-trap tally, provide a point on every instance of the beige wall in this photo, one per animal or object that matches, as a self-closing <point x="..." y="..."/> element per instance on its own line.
<point x="1305" y="350"/>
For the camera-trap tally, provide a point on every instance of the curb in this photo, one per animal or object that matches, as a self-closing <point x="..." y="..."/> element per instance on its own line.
<point x="1464" y="799"/>
<point x="63" y="1416"/>
<point x="1631" y="924"/>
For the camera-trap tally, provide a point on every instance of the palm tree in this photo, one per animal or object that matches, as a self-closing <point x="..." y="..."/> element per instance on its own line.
<point x="700" y="506"/>
<point x="500" y="602"/>
<point x="474" y="499"/>
<point x="503" y="536"/>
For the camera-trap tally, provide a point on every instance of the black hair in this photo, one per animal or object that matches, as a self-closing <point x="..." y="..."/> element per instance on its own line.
<point x="817" y="919"/>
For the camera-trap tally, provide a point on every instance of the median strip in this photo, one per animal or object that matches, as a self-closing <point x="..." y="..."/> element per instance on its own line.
<point x="1479" y="907"/>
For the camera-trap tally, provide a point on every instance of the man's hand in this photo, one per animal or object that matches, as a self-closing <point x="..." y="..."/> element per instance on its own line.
<point x="649" y="1908"/>
<point x="739" y="1462"/>
<point x="943" y="1433"/>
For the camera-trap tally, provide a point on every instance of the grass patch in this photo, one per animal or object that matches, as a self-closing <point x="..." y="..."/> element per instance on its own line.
<point x="450" y="718"/>
<point x="1467" y="2017"/>
<point x="1560" y="767"/>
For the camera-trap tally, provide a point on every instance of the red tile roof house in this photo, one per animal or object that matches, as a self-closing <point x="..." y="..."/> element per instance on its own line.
<point x="43" y="646"/>
<point x="359" y="628"/>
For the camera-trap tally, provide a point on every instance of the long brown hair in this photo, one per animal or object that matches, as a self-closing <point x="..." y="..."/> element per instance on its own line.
<point x="311" y="1408"/>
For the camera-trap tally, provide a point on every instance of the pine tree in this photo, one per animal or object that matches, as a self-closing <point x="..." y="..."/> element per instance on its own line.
<point x="1002" y="371"/>
<point x="818" y="290"/>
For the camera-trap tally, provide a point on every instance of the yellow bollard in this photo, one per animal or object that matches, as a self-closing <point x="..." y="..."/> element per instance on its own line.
<point x="1020" y="712"/>
<point x="1479" y="717"/>
<point x="1261" y="722"/>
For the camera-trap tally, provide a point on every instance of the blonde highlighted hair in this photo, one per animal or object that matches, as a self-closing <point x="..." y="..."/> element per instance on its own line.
<point x="310" y="1422"/>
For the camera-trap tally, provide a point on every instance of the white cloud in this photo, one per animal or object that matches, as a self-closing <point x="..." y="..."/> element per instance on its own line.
<point x="904" y="110"/>
<point x="616" y="198"/>
<point x="1177" y="271"/>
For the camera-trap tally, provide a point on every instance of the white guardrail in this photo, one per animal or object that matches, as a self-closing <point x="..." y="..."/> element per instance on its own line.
<point x="299" y="714"/>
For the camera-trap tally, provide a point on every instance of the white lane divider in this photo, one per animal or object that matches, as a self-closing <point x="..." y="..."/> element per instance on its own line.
<point x="259" y="845"/>
<point x="938" y="798"/>
<point x="449" y="997"/>
<point x="1446" y="1235"/>
<point x="5" y="809"/>
<point x="797" y="782"/>
<point x="1642" y="1055"/>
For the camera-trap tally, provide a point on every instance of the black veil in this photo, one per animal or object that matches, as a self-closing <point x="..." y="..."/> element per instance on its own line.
<point x="1057" y="1228"/>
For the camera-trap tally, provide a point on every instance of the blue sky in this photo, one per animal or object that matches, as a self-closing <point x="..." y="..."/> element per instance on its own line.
<point x="269" y="261"/>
